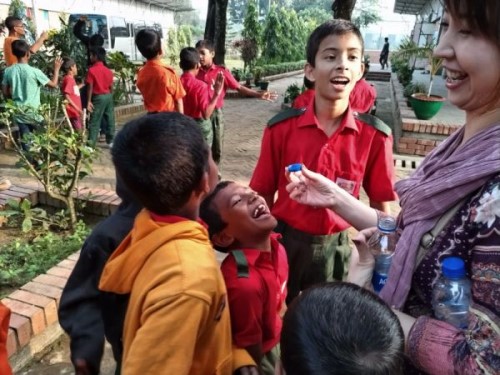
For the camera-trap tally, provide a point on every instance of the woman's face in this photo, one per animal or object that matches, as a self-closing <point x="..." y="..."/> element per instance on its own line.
<point x="472" y="65"/>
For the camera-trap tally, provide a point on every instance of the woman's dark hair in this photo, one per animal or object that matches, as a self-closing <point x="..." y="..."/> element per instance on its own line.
<point x="341" y="329"/>
<point x="481" y="15"/>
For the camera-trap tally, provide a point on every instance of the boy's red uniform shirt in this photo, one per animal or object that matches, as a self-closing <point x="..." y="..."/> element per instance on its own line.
<point x="255" y="302"/>
<point x="356" y="155"/>
<point x="70" y="88"/>
<point x="197" y="96"/>
<point x="304" y="99"/>
<point x="160" y="86"/>
<point x="101" y="78"/>
<point x="208" y="75"/>
<point x="362" y="97"/>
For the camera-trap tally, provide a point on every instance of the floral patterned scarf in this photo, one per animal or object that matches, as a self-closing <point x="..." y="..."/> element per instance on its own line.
<point x="448" y="174"/>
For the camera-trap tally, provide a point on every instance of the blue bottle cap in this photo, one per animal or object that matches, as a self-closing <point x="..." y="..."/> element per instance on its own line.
<point x="453" y="267"/>
<point x="387" y="224"/>
<point x="294" y="167"/>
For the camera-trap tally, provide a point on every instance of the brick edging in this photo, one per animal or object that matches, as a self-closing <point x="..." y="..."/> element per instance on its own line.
<point x="413" y="136"/>
<point x="34" y="324"/>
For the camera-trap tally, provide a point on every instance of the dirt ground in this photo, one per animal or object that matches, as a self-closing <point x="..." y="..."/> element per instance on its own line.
<point x="245" y="120"/>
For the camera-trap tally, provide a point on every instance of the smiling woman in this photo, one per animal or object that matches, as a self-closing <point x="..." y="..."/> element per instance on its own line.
<point x="456" y="188"/>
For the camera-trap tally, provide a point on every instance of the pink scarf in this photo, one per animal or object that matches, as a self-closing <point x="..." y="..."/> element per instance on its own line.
<point x="448" y="174"/>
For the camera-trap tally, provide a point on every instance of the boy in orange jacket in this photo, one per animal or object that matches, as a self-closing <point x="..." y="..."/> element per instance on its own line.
<point x="177" y="320"/>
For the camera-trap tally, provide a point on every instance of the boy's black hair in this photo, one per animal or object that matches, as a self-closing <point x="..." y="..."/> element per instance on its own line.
<point x="20" y="48"/>
<point x="205" y="44"/>
<point x="96" y="40"/>
<point x="148" y="42"/>
<point x="10" y="22"/>
<point x="162" y="158"/>
<point x="386" y="39"/>
<point x="308" y="83"/>
<point x="331" y="27"/>
<point x="68" y="62"/>
<point x="211" y="216"/>
<point x="99" y="53"/>
<point x="189" y="58"/>
<point x="341" y="329"/>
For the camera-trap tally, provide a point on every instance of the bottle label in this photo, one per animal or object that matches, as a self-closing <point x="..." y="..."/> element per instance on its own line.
<point x="378" y="281"/>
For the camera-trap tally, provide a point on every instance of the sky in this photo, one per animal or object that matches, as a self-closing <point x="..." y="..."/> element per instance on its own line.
<point x="201" y="6"/>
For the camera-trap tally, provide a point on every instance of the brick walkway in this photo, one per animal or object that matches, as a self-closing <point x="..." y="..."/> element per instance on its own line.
<point x="245" y="120"/>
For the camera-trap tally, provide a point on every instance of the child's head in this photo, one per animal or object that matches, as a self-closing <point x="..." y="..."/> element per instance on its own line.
<point x="189" y="59"/>
<point x="20" y="48"/>
<point x="335" y="59"/>
<point x="69" y="66"/>
<point x="148" y="42"/>
<point x="386" y="39"/>
<point x="96" y="40"/>
<point x="236" y="216"/>
<point x="341" y="328"/>
<point x="14" y="24"/>
<point x="206" y="50"/>
<point x="164" y="161"/>
<point x="97" y="54"/>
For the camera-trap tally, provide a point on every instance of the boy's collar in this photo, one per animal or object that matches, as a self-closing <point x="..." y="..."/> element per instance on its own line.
<point x="173" y="219"/>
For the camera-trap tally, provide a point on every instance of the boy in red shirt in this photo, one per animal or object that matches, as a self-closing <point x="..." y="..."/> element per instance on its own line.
<point x="352" y="150"/>
<point x="159" y="85"/>
<point x="100" y="97"/>
<point x="208" y="74"/>
<point x="71" y="93"/>
<point x="198" y="103"/>
<point x="255" y="272"/>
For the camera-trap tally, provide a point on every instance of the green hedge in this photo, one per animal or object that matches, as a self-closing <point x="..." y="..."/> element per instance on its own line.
<point x="273" y="69"/>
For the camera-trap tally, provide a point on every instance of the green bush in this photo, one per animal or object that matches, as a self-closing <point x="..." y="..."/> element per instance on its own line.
<point x="413" y="88"/>
<point x="21" y="260"/>
<point x="292" y="92"/>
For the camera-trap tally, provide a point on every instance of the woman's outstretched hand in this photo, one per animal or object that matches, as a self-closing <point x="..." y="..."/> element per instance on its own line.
<point x="311" y="188"/>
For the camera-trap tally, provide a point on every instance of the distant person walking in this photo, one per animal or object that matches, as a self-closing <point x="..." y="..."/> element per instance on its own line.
<point x="384" y="55"/>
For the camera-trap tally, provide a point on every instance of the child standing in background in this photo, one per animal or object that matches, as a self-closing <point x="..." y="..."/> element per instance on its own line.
<point x="100" y="98"/>
<point x="71" y="93"/>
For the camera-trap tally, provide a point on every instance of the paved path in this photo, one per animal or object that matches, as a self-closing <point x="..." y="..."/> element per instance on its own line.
<point x="245" y="120"/>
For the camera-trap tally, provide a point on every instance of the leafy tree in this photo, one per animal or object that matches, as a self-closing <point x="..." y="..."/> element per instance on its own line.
<point x="272" y="37"/>
<point x="187" y="35"/>
<point x="251" y="25"/>
<point x="18" y="9"/>
<point x="301" y="5"/>
<point x="58" y="157"/>
<point x="366" y="13"/>
<point x="313" y="17"/>
<point x="173" y="46"/>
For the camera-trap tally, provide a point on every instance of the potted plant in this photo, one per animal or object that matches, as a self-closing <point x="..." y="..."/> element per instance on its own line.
<point x="237" y="73"/>
<point x="425" y="105"/>
<point x="257" y="74"/>
<point x="248" y="79"/>
<point x="264" y="85"/>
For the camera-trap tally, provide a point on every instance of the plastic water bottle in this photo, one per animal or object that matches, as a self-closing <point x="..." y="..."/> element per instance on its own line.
<point x="451" y="295"/>
<point x="382" y="245"/>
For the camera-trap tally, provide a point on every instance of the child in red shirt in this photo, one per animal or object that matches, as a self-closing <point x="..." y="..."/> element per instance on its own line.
<point x="4" y="331"/>
<point x="71" y="93"/>
<point x="198" y="102"/>
<point x="255" y="272"/>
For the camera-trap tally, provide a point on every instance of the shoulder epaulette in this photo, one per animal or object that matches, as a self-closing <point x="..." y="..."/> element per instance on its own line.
<point x="241" y="263"/>
<point x="375" y="122"/>
<point x="285" y="115"/>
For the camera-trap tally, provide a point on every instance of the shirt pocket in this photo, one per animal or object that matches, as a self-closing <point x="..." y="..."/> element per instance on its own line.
<point x="350" y="182"/>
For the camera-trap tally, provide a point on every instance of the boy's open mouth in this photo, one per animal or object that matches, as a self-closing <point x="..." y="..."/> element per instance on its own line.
<point x="340" y="81"/>
<point x="259" y="211"/>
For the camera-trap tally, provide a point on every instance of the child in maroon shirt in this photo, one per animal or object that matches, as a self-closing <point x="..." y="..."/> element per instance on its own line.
<point x="255" y="271"/>
<point x="71" y="93"/>
<point x="198" y="102"/>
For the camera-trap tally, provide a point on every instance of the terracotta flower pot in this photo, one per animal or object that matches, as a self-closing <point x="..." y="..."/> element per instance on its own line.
<point x="426" y="107"/>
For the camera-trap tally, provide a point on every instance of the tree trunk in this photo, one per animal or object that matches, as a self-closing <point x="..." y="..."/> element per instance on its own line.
<point x="343" y="9"/>
<point x="215" y="28"/>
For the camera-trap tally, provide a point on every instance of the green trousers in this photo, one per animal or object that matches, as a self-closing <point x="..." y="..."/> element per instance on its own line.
<point x="218" y="134"/>
<point x="103" y="108"/>
<point x="269" y="360"/>
<point x="313" y="259"/>
<point x="207" y="130"/>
